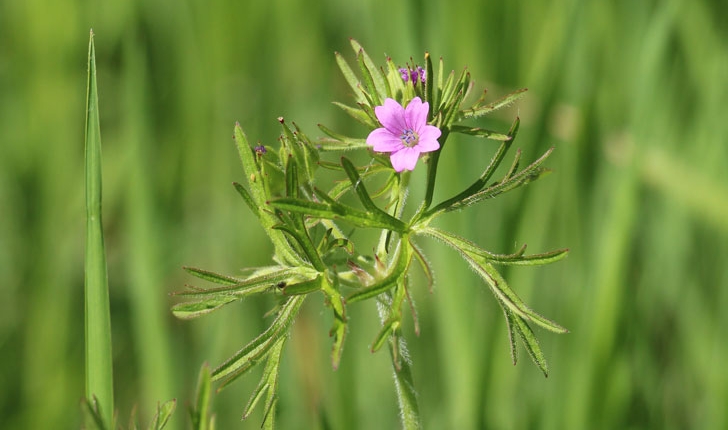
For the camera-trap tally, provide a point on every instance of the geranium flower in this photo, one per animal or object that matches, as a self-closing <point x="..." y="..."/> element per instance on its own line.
<point x="405" y="134"/>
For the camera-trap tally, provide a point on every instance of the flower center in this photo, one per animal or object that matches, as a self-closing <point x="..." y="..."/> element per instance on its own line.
<point x="409" y="137"/>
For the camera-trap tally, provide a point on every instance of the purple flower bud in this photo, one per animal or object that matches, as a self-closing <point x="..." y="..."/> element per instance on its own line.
<point x="404" y="71"/>
<point x="418" y="74"/>
<point x="422" y="73"/>
<point x="260" y="150"/>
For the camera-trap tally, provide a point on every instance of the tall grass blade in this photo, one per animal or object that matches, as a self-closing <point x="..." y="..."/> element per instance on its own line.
<point x="99" y="382"/>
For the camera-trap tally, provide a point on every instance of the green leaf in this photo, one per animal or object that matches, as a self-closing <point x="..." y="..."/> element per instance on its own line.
<point x="305" y="287"/>
<point x="524" y="331"/>
<point x="291" y="178"/>
<point x="514" y="165"/>
<point x="339" y="142"/>
<point x="475" y="257"/>
<point x="437" y="95"/>
<point x="387" y="328"/>
<point x="258" y="348"/>
<point x="335" y="210"/>
<point x="359" y="114"/>
<point x="420" y="256"/>
<point x="447" y="90"/>
<point x="190" y="310"/>
<point x="379" y="287"/>
<point x="369" y="68"/>
<point x="260" y="195"/>
<point x="255" y="396"/>
<point x="267" y="386"/>
<point x="453" y="105"/>
<point x="482" y="181"/>
<point x="395" y="275"/>
<point x="453" y="95"/>
<point x="367" y="74"/>
<point x="350" y="77"/>
<point x="300" y="235"/>
<point x="511" y="334"/>
<point x="92" y="418"/>
<point x="525" y="176"/>
<point x="164" y="411"/>
<point x="396" y="84"/>
<point x="250" y="166"/>
<point x="301" y="150"/>
<point x="358" y="185"/>
<point x="99" y="375"/>
<point x="372" y="169"/>
<point x="199" y="412"/>
<point x="533" y="259"/>
<point x="247" y="198"/>
<point x="498" y="104"/>
<point x="428" y="85"/>
<point x="212" y="276"/>
<point x="480" y="132"/>
<point x="253" y="285"/>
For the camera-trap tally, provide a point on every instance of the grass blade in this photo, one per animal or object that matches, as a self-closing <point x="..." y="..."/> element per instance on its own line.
<point x="99" y="378"/>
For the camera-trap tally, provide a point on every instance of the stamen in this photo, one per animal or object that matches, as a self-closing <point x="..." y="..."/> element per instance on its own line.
<point x="409" y="137"/>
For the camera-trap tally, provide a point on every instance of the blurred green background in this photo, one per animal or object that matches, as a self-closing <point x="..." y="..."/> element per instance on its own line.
<point x="632" y="94"/>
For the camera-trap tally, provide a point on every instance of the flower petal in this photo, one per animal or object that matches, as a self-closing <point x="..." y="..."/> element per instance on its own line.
<point x="416" y="114"/>
<point x="384" y="141"/>
<point x="405" y="158"/>
<point x="391" y="116"/>
<point x="428" y="139"/>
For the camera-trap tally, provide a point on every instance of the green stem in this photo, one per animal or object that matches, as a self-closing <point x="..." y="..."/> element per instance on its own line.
<point x="432" y="173"/>
<point x="99" y="378"/>
<point x="409" y="411"/>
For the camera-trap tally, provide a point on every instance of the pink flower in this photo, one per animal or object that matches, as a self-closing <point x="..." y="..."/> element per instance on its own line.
<point x="405" y="134"/>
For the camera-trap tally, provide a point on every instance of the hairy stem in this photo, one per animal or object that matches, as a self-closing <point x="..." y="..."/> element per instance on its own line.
<point x="406" y="394"/>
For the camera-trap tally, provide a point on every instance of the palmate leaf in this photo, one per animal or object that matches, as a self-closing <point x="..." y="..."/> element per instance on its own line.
<point x="258" y="348"/>
<point x="253" y="285"/>
<point x="517" y="314"/>
<point x="477" y="259"/>
<point x="268" y="387"/>
<point x="263" y="280"/>
<point x="516" y="259"/>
